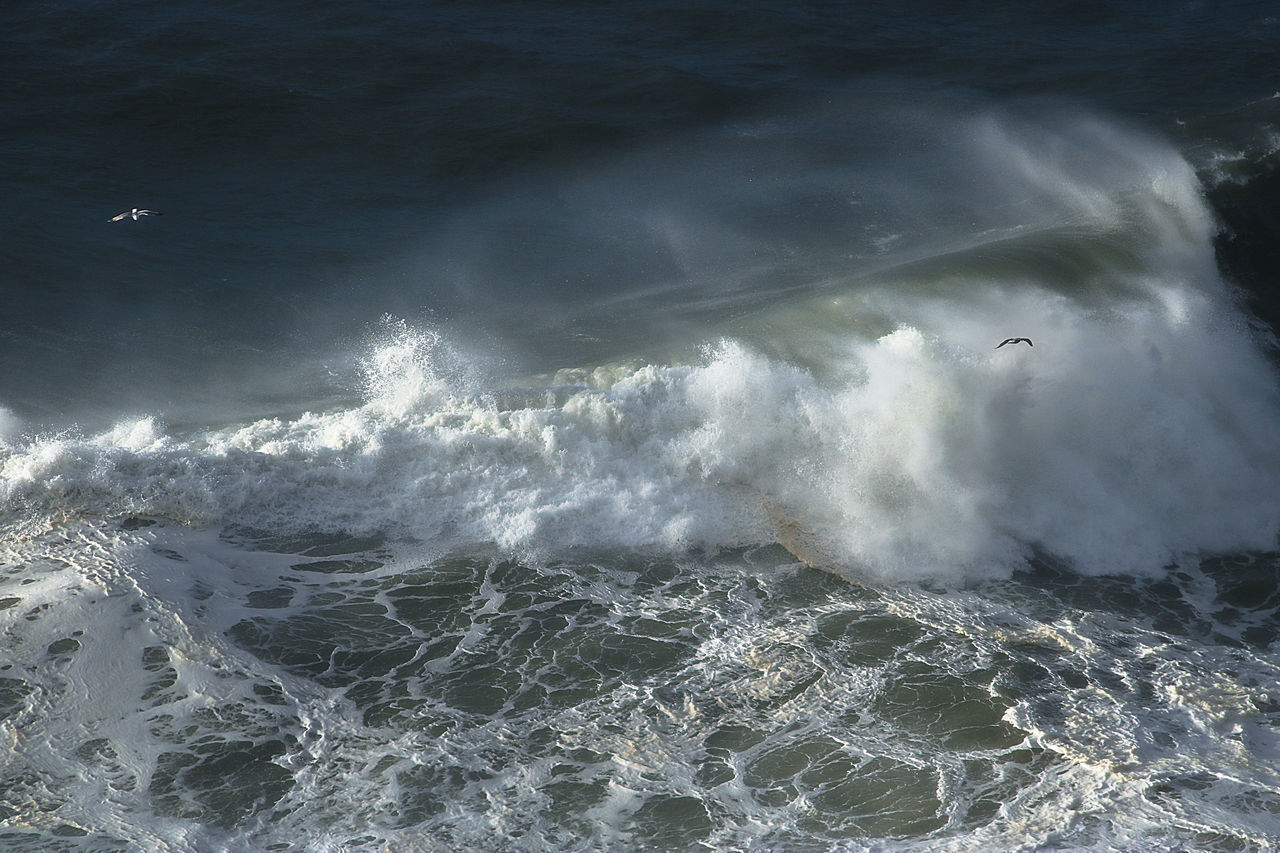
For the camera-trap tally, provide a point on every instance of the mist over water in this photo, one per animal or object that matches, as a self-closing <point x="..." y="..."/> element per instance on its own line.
<point x="824" y="331"/>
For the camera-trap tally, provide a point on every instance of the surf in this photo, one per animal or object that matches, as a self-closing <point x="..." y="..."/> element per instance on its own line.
<point x="866" y="405"/>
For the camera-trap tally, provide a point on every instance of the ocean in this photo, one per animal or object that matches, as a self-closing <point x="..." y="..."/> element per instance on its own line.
<point x="558" y="426"/>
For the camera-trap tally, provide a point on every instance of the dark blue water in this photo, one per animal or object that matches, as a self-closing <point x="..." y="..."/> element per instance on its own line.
<point x="569" y="426"/>
<point x="298" y="156"/>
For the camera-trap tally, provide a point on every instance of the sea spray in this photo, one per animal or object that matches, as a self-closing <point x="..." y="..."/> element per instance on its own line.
<point x="926" y="460"/>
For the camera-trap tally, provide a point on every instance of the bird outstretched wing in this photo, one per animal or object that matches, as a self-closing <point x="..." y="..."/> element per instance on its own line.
<point x="134" y="214"/>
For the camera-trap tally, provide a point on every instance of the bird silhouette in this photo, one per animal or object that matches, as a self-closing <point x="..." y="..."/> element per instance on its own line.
<point x="135" y="213"/>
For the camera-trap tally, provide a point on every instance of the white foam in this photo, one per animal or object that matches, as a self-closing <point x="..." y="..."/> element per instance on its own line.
<point x="1118" y="445"/>
<point x="875" y="421"/>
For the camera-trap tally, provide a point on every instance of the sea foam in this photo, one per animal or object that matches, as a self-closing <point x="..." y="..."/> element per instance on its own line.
<point x="1135" y="431"/>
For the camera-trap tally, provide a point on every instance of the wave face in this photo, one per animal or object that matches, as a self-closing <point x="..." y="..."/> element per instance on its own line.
<point x="871" y="410"/>
<point x="699" y="511"/>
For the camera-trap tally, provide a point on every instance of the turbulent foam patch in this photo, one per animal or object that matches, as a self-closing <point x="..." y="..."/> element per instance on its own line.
<point x="251" y="689"/>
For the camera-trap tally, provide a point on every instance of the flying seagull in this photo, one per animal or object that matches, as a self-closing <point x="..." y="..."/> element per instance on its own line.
<point x="135" y="213"/>
<point x="1026" y="341"/>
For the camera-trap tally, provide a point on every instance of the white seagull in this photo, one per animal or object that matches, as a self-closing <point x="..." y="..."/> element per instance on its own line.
<point x="1026" y="341"/>
<point x="135" y="213"/>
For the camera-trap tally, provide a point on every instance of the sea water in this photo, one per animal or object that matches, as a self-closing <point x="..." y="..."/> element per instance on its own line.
<point x="527" y="428"/>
